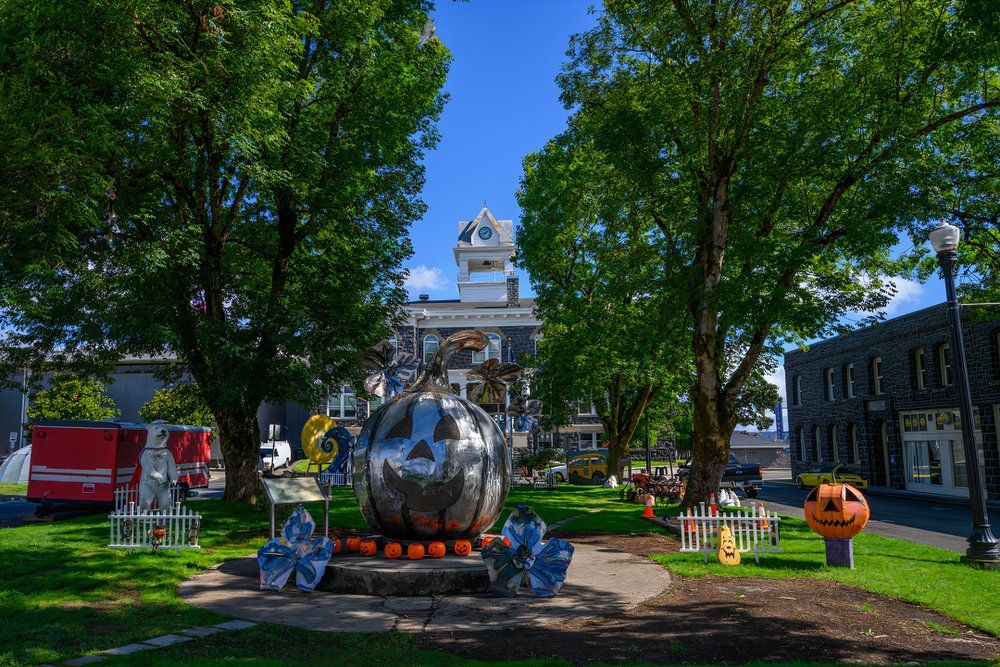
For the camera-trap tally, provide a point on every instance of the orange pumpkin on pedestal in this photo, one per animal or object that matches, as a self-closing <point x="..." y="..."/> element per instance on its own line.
<point x="436" y="550"/>
<point x="393" y="550"/>
<point x="353" y="543"/>
<point x="415" y="551"/>
<point x="368" y="548"/>
<point x="462" y="548"/>
<point x="836" y="510"/>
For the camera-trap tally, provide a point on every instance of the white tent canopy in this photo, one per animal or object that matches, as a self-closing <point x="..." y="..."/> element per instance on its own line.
<point x="15" y="469"/>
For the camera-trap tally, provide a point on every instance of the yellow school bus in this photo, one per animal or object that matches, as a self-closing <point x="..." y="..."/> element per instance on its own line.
<point x="587" y="466"/>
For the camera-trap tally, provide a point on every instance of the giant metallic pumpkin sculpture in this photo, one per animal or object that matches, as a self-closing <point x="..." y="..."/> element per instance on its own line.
<point x="836" y="510"/>
<point x="429" y="464"/>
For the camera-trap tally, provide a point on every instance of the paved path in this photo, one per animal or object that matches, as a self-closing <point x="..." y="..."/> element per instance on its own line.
<point x="922" y="521"/>
<point x="600" y="582"/>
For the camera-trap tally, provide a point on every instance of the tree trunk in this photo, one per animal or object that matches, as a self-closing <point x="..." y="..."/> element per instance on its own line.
<point x="240" y="442"/>
<point x="713" y="427"/>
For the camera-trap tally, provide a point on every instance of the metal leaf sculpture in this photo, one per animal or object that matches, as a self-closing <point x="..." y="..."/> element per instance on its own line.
<point x="388" y="372"/>
<point x="493" y="376"/>
<point x="525" y="413"/>
<point x="543" y="563"/>
<point x="294" y="551"/>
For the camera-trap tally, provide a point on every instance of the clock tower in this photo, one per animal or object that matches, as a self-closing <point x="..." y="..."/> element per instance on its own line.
<point x="483" y="254"/>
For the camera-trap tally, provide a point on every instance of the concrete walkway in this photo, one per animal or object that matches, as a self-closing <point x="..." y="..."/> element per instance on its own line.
<point x="600" y="582"/>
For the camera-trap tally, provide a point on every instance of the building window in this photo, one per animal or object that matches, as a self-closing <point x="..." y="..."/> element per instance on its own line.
<point x="430" y="347"/>
<point x="797" y="390"/>
<point x="855" y="445"/>
<point x="849" y="380"/>
<point x="802" y="443"/>
<point x="877" y="377"/>
<point x="591" y="440"/>
<point x="395" y="346"/>
<point x="945" y="365"/>
<point x="828" y="383"/>
<point x="815" y="443"/>
<point x="919" y="372"/>
<point x="834" y="444"/>
<point x="492" y="350"/>
<point x="343" y="404"/>
<point x="585" y="408"/>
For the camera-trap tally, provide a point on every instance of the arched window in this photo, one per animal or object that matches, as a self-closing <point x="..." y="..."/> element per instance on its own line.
<point x="815" y="443"/>
<point x="855" y="445"/>
<point x="877" y="376"/>
<point x="849" y="380"/>
<point x="492" y="351"/>
<point x="919" y="372"/>
<point x="834" y="443"/>
<point x="430" y="347"/>
<point x="944" y="363"/>
<point x="801" y="444"/>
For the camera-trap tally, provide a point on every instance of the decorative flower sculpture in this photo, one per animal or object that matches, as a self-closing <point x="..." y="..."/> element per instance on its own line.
<point x="388" y="372"/>
<point x="525" y="413"/>
<point x="294" y="550"/>
<point x="493" y="376"/>
<point x="544" y="563"/>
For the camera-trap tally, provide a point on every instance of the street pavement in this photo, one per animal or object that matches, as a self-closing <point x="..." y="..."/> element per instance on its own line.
<point x="923" y="521"/>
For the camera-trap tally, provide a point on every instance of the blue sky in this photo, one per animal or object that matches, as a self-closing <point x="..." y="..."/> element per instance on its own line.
<point x="504" y="104"/>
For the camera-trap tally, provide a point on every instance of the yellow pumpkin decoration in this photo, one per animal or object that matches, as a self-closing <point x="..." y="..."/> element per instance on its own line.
<point x="728" y="553"/>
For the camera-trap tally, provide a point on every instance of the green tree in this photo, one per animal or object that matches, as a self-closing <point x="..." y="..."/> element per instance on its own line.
<point x="779" y="149"/>
<point x="609" y="336"/>
<point x="229" y="181"/>
<point x="71" y="397"/>
<point x="182" y="404"/>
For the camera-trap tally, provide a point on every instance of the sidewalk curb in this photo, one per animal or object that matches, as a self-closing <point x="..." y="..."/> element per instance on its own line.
<point x="901" y="493"/>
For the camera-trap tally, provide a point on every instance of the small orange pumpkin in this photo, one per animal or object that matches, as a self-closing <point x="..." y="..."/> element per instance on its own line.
<point x="368" y="548"/>
<point x="486" y="540"/>
<point x="415" y="551"/>
<point x="506" y="541"/>
<point x="393" y="550"/>
<point x="462" y="548"/>
<point x="353" y="543"/>
<point x="436" y="550"/>
<point x="836" y="510"/>
<point x="338" y="546"/>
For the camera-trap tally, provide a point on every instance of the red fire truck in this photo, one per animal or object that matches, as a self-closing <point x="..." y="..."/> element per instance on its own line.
<point x="84" y="461"/>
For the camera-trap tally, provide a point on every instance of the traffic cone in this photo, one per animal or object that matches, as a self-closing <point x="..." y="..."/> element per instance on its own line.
<point x="648" y="513"/>
<point x="713" y="507"/>
<point x="763" y="522"/>
<point x="690" y="522"/>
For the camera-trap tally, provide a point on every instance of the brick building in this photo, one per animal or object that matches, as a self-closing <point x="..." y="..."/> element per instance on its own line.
<point x="884" y="399"/>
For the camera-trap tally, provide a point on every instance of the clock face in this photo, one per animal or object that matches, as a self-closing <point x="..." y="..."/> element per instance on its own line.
<point x="485" y="233"/>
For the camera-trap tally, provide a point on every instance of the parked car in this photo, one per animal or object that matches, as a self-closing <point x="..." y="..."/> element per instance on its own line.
<point x="744" y="476"/>
<point x="558" y="471"/>
<point x="273" y="455"/>
<point x="832" y="473"/>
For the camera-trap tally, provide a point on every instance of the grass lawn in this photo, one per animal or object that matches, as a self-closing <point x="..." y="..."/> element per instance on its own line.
<point x="13" y="489"/>
<point x="896" y="568"/>
<point x="65" y="594"/>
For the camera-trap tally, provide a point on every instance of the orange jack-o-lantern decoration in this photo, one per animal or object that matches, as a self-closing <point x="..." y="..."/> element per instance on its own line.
<point x="353" y="543"/>
<point x="436" y="550"/>
<point x="836" y="510"/>
<point x="393" y="550"/>
<point x="415" y="551"/>
<point x="463" y="548"/>
<point x="368" y="548"/>
<point x="338" y="546"/>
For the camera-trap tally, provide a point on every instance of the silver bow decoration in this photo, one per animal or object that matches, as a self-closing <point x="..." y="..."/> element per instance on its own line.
<point x="543" y="564"/>
<point x="493" y="376"/>
<point x="295" y="551"/>
<point x="388" y="372"/>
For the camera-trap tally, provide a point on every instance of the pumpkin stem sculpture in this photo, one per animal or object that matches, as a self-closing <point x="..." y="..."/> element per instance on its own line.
<point x="430" y="465"/>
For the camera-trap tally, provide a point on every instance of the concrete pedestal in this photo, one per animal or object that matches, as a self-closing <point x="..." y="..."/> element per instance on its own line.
<point x="839" y="552"/>
<point x="376" y="575"/>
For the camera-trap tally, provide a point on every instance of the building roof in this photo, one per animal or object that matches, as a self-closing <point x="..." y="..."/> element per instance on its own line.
<point x="746" y="440"/>
<point x="444" y="305"/>
<point x="505" y="228"/>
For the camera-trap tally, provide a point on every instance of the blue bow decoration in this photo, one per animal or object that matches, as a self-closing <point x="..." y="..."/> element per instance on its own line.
<point x="294" y="551"/>
<point x="544" y="563"/>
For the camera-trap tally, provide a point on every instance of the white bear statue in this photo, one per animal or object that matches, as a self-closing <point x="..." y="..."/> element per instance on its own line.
<point x="159" y="470"/>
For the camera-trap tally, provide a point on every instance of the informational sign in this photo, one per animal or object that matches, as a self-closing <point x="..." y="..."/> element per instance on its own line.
<point x="779" y="422"/>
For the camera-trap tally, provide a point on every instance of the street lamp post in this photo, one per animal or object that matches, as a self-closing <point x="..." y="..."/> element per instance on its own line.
<point x="983" y="547"/>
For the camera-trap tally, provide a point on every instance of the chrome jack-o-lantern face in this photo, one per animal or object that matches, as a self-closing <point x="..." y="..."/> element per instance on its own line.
<point x="429" y="464"/>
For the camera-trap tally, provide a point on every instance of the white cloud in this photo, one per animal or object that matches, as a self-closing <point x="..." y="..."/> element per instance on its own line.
<point x="428" y="278"/>
<point x="908" y="292"/>
<point x="777" y="378"/>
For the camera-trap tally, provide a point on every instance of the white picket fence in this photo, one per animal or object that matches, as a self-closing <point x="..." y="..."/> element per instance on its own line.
<point x="755" y="531"/>
<point x="129" y="495"/>
<point x="336" y="478"/>
<point x="132" y="529"/>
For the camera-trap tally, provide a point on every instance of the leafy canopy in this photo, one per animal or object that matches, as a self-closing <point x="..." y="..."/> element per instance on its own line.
<point x="182" y="404"/>
<point x="71" y="397"/>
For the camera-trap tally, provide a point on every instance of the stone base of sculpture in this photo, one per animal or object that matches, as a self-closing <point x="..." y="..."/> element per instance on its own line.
<point x="450" y="575"/>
